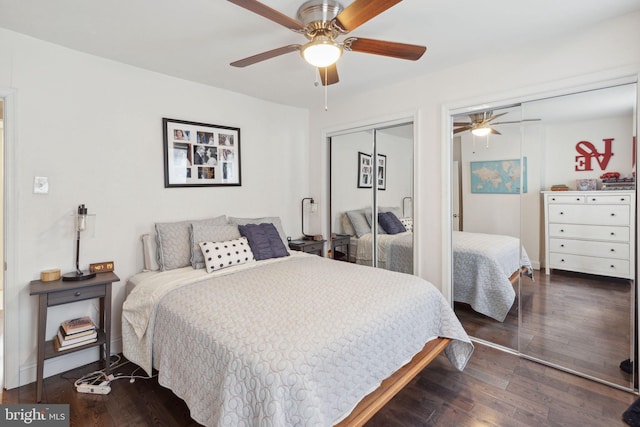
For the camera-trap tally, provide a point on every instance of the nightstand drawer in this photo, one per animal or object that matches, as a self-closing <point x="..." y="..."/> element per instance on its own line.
<point x="313" y="247"/>
<point x="63" y="297"/>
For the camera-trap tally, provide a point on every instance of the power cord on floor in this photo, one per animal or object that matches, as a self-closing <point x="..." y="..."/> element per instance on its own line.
<point x="98" y="382"/>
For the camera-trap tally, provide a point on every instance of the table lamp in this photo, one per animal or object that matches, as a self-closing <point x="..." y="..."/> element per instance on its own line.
<point x="81" y="225"/>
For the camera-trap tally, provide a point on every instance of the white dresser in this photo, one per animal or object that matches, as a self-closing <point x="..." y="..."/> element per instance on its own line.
<point x="590" y="232"/>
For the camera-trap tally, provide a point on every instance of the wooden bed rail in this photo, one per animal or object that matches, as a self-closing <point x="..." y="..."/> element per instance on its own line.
<point x="375" y="400"/>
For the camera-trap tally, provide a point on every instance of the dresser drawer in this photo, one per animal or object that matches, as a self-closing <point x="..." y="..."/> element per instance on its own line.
<point x="589" y="248"/>
<point x="592" y="265"/>
<point x="620" y="199"/>
<point x="63" y="297"/>
<point x="590" y="232"/>
<point x="589" y="214"/>
<point x="566" y="199"/>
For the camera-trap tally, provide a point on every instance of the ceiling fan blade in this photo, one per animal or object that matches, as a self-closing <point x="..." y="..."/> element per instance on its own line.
<point x="462" y="129"/>
<point x="495" y="132"/>
<point x="461" y="123"/>
<point x="489" y="119"/>
<point x="517" y="121"/>
<point x="269" y="13"/>
<point x="361" y="11"/>
<point x="379" y="47"/>
<point x="265" y="55"/>
<point x="331" y="76"/>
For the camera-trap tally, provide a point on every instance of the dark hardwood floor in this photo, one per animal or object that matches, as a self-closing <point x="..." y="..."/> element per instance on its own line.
<point x="579" y="321"/>
<point x="495" y="389"/>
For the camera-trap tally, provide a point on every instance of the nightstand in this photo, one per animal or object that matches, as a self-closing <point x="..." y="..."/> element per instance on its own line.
<point x="308" y="246"/>
<point x="63" y="292"/>
<point x="342" y="241"/>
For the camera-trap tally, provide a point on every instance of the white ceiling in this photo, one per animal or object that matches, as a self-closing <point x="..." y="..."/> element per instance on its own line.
<point x="197" y="39"/>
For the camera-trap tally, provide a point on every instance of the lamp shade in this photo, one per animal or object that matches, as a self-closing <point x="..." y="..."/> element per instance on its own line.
<point x="481" y="131"/>
<point x="321" y="52"/>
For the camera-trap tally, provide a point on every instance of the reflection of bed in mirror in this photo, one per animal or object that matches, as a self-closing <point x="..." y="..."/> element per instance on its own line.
<point x="394" y="251"/>
<point x="485" y="266"/>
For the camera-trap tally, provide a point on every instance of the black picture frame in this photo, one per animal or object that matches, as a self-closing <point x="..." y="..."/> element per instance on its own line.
<point x="200" y="154"/>
<point x="367" y="171"/>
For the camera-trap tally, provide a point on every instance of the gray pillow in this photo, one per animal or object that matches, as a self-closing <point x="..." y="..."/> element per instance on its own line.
<point x="396" y="211"/>
<point x="347" y="227"/>
<point x="359" y="222"/>
<point x="174" y="243"/>
<point x="201" y="232"/>
<point x="268" y="219"/>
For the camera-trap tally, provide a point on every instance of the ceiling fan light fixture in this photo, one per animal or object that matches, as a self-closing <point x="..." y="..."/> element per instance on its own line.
<point x="481" y="131"/>
<point x="321" y="52"/>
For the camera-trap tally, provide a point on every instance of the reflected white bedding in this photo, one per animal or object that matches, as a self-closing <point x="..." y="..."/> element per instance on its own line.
<point x="482" y="265"/>
<point x="290" y="341"/>
<point x="395" y="251"/>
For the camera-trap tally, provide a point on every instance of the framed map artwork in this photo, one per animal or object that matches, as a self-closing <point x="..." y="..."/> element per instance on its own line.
<point x="499" y="176"/>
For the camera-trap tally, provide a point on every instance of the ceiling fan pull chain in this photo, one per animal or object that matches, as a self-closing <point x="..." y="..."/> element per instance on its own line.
<point x="326" y="107"/>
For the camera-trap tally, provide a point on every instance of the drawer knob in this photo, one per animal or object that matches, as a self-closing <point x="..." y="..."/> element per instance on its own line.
<point x="562" y="230"/>
<point x="613" y="234"/>
<point x="562" y="260"/>
<point x="613" y="214"/>
<point x="622" y="199"/>
<point x="553" y="198"/>
<point x="613" y="266"/>
<point x="578" y="198"/>
<point x="613" y="250"/>
<point x="561" y="213"/>
<point x="594" y="199"/>
<point x="78" y="294"/>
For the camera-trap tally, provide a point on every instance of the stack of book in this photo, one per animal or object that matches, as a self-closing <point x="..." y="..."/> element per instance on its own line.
<point x="75" y="333"/>
<point x="559" y="187"/>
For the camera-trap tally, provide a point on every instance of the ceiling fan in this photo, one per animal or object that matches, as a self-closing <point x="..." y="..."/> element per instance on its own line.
<point x="481" y="124"/>
<point x="322" y="22"/>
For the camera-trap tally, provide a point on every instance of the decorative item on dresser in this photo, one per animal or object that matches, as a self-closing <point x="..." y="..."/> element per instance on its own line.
<point x="590" y="232"/>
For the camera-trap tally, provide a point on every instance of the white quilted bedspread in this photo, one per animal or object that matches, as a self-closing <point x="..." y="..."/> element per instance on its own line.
<point x="292" y="342"/>
<point x="482" y="265"/>
<point x="395" y="251"/>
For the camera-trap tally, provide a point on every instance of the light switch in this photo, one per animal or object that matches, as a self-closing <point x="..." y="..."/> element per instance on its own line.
<point x="41" y="185"/>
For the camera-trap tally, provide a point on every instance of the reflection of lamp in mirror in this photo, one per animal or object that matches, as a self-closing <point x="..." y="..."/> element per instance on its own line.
<point x="404" y="200"/>
<point x="81" y="225"/>
<point x="314" y="209"/>
<point x="481" y="131"/>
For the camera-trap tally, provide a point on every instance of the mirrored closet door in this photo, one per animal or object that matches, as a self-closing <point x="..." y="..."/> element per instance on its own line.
<point x="575" y="293"/>
<point x="371" y="173"/>
<point x="486" y="227"/>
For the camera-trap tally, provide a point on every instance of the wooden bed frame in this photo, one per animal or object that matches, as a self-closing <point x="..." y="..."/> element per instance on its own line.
<point x="375" y="400"/>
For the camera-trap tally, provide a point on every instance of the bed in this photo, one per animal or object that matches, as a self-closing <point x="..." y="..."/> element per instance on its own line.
<point x="291" y="340"/>
<point x="484" y="268"/>
<point x="394" y="248"/>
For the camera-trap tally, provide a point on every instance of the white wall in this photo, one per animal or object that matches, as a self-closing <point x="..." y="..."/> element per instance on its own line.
<point x="547" y="65"/>
<point x="94" y="128"/>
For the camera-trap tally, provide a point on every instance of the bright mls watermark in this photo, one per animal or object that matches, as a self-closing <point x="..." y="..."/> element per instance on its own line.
<point x="34" y="415"/>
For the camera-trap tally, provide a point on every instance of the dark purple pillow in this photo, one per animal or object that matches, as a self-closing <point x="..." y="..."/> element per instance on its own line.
<point x="389" y="223"/>
<point x="264" y="240"/>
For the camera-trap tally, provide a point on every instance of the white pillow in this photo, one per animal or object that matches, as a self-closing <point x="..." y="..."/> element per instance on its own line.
<point x="407" y="222"/>
<point x="219" y="255"/>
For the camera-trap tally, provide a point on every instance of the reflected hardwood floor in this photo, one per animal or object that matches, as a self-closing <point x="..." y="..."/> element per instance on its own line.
<point x="579" y="321"/>
<point x="495" y="389"/>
